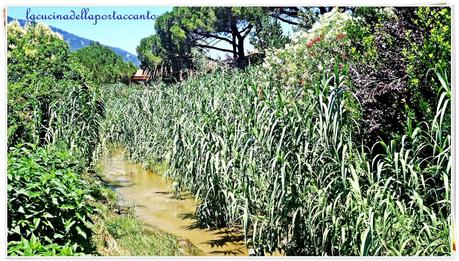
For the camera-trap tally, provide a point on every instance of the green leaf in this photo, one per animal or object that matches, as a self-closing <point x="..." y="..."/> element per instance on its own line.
<point x="81" y="232"/>
<point x="68" y="225"/>
<point x="366" y="238"/>
<point x="47" y="215"/>
<point x="36" y="222"/>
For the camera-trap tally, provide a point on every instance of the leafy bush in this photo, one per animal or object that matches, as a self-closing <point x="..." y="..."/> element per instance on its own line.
<point x="36" y="59"/>
<point x="48" y="101"/>
<point x="47" y="198"/>
<point x="379" y="75"/>
<point x="34" y="247"/>
<point x="431" y="50"/>
<point x="394" y="54"/>
<point x="35" y="52"/>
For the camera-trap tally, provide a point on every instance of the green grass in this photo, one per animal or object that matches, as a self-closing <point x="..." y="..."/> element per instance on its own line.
<point x="142" y="240"/>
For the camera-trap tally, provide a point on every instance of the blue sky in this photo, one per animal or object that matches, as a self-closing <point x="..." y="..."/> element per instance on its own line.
<point x="125" y="34"/>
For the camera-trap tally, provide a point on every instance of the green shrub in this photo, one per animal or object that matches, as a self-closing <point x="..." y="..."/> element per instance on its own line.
<point x="431" y="51"/>
<point x="394" y="53"/>
<point x="47" y="198"/>
<point x="47" y="99"/>
<point x="36" y="59"/>
<point x="35" y="51"/>
<point x="378" y="73"/>
<point x="34" y="247"/>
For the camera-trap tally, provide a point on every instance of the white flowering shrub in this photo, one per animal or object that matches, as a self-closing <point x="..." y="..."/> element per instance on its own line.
<point x="35" y="50"/>
<point x="323" y="46"/>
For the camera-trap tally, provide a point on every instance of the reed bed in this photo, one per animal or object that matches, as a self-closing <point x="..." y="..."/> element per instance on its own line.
<point x="284" y="163"/>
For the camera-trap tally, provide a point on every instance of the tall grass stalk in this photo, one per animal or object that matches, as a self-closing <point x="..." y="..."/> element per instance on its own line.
<point x="283" y="163"/>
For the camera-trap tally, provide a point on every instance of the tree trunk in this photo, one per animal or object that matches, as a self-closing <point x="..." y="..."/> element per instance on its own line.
<point x="234" y="46"/>
<point x="235" y="35"/>
<point x="240" y="47"/>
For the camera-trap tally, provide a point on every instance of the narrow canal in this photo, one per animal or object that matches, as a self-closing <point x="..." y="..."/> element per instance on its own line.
<point x="156" y="205"/>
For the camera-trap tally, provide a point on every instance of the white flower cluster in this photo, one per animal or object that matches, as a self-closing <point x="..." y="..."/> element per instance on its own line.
<point x="299" y="60"/>
<point x="297" y="36"/>
<point x="329" y="25"/>
<point x="387" y="12"/>
<point x="14" y="28"/>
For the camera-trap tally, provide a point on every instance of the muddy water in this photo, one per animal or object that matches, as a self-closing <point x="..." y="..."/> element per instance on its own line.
<point x="156" y="206"/>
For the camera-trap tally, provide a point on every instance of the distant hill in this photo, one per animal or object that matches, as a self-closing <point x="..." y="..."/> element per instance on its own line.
<point x="76" y="42"/>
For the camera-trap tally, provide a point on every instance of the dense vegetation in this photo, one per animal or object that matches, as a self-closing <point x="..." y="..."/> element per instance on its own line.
<point x="52" y="132"/>
<point x="299" y="151"/>
<point x="337" y="143"/>
<point x="54" y="111"/>
<point x="46" y="199"/>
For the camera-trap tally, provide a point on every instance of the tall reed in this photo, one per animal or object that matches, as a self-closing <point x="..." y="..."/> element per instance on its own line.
<point x="282" y="164"/>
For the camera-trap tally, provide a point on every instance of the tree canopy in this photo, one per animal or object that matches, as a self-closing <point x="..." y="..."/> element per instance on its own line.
<point x="103" y="64"/>
<point x="224" y="29"/>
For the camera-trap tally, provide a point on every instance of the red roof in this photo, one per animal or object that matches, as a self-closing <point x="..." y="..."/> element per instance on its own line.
<point x="141" y="75"/>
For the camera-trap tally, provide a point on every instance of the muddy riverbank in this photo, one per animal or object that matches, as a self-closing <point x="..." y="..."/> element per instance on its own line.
<point x="156" y="205"/>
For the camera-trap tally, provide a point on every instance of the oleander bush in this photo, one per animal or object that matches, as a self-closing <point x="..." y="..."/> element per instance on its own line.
<point x="299" y="62"/>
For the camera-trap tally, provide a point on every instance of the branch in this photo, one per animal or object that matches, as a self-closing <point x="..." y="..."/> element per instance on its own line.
<point x="293" y="13"/>
<point x="285" y="20"/>
<point x="205" y="34"/>
<point x="212" y="42"/>
<point x="215" y="48"/>
<point x="248" y="28"/>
